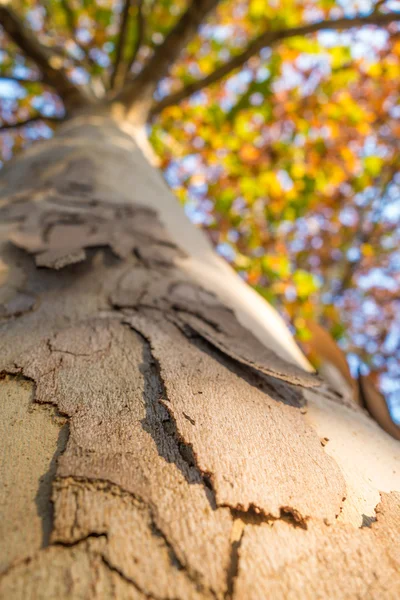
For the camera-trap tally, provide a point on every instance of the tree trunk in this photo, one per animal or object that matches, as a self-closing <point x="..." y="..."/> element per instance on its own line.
<point x="163" y="437"/>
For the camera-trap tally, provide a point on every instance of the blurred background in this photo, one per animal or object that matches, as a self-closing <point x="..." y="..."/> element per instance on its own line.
<point x="290" y="163"/>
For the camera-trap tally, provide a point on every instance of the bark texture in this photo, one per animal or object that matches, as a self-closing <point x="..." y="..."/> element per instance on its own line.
<point x="182" y="453"/>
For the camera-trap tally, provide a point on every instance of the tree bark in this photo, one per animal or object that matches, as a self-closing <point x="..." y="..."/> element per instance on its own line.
<point x="163" y="436"/>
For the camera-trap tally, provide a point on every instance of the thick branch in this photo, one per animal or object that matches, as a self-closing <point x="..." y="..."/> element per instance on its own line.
<point x="47" y="61"/>
<point x="377" y="407"/>
<point x="141" y="89"/>
<point x="117" y="74"/>
<point x="29" y="121"/>
<point x="267" y="39"/>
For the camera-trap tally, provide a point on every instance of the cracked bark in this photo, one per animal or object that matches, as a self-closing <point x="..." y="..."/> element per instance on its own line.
<point x="297" y="563"/>
<point x="258" y="422"/>
<point x="192" y="451"/>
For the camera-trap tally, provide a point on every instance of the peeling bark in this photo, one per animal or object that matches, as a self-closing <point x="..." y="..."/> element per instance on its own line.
<point x="243" y="430"/>
<point x="191" y="455"/>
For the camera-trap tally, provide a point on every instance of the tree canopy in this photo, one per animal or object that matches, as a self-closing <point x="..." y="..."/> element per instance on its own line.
<point x="276" y="124"/>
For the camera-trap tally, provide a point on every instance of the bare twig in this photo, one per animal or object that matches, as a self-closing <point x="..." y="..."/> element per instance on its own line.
<point x="364" y="232"/>
<point x="72" y="25"/>
<point x="29" y="121"/>
<point x="359" y="237"/>
<point x="117" y="75"/>
<point x="48" y="62"/>
<point x="140" y="28"/>
<point x="268" y="39"/>
<point x="70" y="16"/>
<point x="140" y="90"/>
<point x="379" y="4"/>
<point x="21" y="80"/>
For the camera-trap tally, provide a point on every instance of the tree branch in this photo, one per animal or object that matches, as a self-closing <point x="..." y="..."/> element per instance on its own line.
<point x="69" y="16"/>
<point x="28" y="121"/>
<point x="117" y="75"/>
<point x="21" y="80"/>
<point x="140" y="23"/>
<point x="141" y="89"/>
<point x="268" y="39"/>
<point x="47" y="61"/>
<point x="72" y="23"/>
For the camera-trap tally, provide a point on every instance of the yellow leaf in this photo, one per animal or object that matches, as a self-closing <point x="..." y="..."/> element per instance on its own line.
<point x="298" y="171"/>
<point x="257" y="8"/>
<point x="367" y="250"/>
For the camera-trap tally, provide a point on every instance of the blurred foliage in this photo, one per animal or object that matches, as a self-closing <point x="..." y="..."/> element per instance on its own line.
<point x="290" y="164"/>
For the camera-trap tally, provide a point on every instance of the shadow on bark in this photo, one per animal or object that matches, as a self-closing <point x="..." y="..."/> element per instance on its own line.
<point x="276" y="389"/>
<point x="162" y="427"/>
<point x="44" y="504"/>
<point x="367" y="521"/>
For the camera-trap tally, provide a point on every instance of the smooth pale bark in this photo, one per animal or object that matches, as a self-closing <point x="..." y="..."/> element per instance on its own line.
<point x="164" y="406"/>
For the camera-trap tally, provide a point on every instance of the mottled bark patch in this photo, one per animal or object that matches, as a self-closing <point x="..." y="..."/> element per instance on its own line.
<point x="198" y="312"/>
<point x="63" y="572"/>
<point x="256" y="450"/>
<point x="31" y="439"/>
<point x="71" y="213"/>
<point x="19" y="304"/>
<point x="57" y="233"/>
<point x="87" y="508"/>
<point x="279" y="561"/>
<point x="99" y="374"/>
